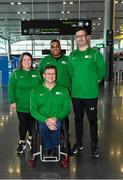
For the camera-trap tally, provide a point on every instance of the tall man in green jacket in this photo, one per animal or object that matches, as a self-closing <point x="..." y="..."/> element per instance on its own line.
<point x="87" y="68"/>
<point x="50" y="104"/>
<point x="60" y="61"/>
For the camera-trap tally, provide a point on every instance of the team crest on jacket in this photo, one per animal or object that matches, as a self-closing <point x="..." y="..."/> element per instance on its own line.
<point x="88" y="56"/>
<point x="21" y="77"/>
<point x="33" y="75"/>
<point x="58" y="93"/>
<point x="63" y="62"/>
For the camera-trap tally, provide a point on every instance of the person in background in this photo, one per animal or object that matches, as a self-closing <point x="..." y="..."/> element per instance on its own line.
<point x="50" y="104"/>
<point x="87" y="69"/>
<point x="59" y="60"/>
<point x="21" y="82"/>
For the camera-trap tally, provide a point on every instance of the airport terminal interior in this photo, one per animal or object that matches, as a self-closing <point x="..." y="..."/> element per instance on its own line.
<point x="16" y="39"/>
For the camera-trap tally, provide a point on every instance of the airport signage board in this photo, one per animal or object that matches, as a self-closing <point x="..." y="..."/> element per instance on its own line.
<point x="109" y="38"/>
<point x="53" y="27"/>
<point x="100" y="45"/>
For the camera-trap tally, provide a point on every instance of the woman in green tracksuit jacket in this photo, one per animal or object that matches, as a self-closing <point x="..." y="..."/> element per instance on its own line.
<point x="20" y="84"/>
<point x="50" y="104"/>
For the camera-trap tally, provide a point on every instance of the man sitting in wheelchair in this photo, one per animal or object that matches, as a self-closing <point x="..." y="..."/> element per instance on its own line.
<point x="50" y="104"/>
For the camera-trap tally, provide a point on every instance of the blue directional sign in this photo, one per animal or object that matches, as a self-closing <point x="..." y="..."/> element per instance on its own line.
<point x="54" y="27"/>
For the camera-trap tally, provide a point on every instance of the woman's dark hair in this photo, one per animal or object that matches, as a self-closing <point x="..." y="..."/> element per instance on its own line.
<point x="21" y="59"/>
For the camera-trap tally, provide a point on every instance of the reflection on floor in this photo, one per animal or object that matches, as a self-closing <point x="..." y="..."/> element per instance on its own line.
<point x="109" y="165"/>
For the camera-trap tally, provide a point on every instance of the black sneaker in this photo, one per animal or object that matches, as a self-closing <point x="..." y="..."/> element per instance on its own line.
<point x="76" y="148"/>
<point x="29" y="142"/>
<point x="21" y="147"/>
<point x="95" y="154"/>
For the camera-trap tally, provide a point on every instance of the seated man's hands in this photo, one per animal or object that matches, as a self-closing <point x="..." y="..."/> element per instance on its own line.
<point x="51" y="123"/>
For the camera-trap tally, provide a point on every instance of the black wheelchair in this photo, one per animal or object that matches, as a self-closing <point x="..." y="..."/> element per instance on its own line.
<point x="60" y="155"/>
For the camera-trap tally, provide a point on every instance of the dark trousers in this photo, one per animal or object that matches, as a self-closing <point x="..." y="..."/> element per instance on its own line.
<point x="66" y="121"/>
<point x="90" y="107"/>
<point x="26" y="122"/>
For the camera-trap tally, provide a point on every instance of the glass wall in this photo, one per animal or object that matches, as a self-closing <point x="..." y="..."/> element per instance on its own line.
<point x="35" y="47"/>
<point x="3" y="46"/>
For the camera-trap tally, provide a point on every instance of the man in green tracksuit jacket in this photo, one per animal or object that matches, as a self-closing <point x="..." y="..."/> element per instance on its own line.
<point x="87" y="68"/>
<point x="60" y="61"/>
<point x="50" y="104"/>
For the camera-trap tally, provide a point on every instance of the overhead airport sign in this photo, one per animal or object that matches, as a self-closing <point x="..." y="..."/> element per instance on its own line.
<point x="53" y="27"/>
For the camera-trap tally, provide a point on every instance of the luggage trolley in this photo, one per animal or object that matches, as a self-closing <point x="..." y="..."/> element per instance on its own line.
<point x="62" y="151"/>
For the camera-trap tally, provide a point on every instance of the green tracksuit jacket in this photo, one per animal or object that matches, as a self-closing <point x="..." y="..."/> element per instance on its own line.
<point x="20" y="84"/>
<point x="63" y="76"/>
<point x="47" y="103"/>
<point x="86" y="69"/>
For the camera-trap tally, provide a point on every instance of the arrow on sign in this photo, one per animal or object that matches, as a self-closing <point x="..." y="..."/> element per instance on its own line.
<point x="25" y="31"/>
<point x="86" y="23"/>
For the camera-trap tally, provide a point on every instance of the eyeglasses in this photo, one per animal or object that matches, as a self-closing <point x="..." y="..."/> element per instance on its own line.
<point x="81" y="36"/>
<point x="50" y="74"/>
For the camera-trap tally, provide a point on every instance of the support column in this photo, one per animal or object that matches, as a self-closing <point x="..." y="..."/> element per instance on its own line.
<point x="109" y="19"/>
<point x="9" y="50"/>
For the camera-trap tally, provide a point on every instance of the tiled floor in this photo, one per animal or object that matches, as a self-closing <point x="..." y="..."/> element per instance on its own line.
<point x="81" y="166"/>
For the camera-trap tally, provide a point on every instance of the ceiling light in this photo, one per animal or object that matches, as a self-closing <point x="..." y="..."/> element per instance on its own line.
<point x="68" y="12"/>
<point x="18" y="12"/>
<point x="24" y="12"/>
<point x="62" y="12"/>
<point x="64" y="2"/>
<point x="116" y="2"/>
<point x="71" y="2"/>
<point x="19" y="3"/>
<point x="12" y="3"/>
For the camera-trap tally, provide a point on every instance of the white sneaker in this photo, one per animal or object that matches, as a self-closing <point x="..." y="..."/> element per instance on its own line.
<point x="29" y="142"/>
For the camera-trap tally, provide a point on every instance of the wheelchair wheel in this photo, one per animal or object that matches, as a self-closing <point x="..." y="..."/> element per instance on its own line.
<point x="64" y="162"/>
<point x="32" y="163"/>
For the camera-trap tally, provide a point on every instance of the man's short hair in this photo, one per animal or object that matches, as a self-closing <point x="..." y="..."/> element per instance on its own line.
<point x="55" y="40"/>
<point x="49" y="67"/>
<point x="81" y="29"/>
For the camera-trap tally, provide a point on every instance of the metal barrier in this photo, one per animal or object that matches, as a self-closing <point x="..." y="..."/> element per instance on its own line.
<point x="118" y="71"/>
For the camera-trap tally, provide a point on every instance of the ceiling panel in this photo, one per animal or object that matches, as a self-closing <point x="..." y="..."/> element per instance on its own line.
<point x="11" y="15"/>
